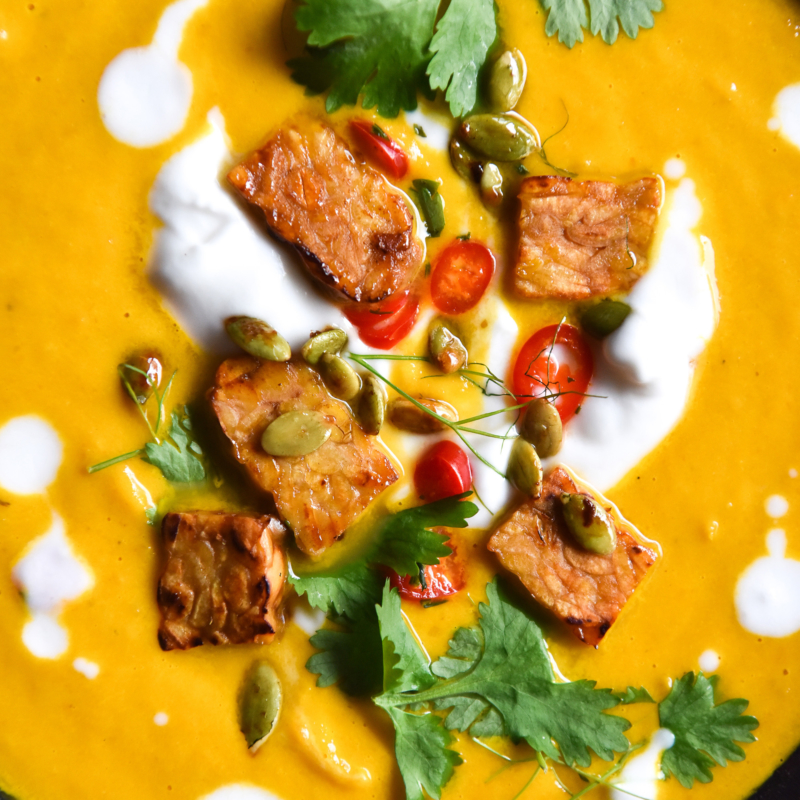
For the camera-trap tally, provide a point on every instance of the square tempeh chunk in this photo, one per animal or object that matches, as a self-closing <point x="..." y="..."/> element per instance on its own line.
<point x="223" y="579"/>
<point x="582" y="239"/>
<point x="319" y="494"/>
<point x="353" y="230"/>
<point x="585" y="590"/>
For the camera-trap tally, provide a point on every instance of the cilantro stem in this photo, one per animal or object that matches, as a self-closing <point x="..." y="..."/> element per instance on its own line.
<point x="134" y="396"/>
<point x="530" y="781"/>
<point x="115" y="460"/>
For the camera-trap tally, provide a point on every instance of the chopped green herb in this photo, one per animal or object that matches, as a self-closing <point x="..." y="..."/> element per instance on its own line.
<point x="425" y="194"/>
<point x="432" y="603"/>
<point x="465" y="237"/>
<point x="151" y="513"/>
<point x="427" y="268"/>
<point x="522" y="169"/>
<point x="420" y="131"/>
<point x="462" y="41"/>
<point x="178" y="462"/>
<point x="634" y="694"/>
<point x="705" y="732"/>
<point x="569" y="18"/>
<point x="378" y="131"/>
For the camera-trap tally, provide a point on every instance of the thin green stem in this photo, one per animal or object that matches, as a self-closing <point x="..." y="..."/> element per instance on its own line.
<point x="530" y="781"/>
<point x="161" y="398"/>
<point x="115" y="460"/>
<point x="135" y="397"/>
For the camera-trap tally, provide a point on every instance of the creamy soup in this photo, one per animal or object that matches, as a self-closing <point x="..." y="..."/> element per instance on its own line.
<point x="121" y="237"/>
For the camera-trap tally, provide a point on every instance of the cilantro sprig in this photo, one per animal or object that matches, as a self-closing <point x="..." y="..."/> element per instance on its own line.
<point x="569" y="18"/>
<point x="177" y="455"/>
<point x="388" y="49"/>
<point x="705" y="732"/>
<point x="496" y="679"/>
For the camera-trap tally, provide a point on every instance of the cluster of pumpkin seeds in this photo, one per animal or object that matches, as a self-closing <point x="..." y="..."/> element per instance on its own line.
<point x="485" y="142"/>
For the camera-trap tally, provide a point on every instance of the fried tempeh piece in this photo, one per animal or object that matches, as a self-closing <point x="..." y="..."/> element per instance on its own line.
<point x="223" y="579"/>
<point x="354" y="231"/>
<point x="581" y="239"/>
<point x="319" y="494"/>
<point x="585" y="590"/>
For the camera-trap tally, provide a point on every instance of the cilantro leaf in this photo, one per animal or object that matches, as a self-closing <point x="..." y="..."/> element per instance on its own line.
<point x="352" y="591"/>
<point x="352" y="658"/>
<point x="177" y="461"/>
<point x="460" y="46"/>
<point x="568" y="18"/>
<point x="634" y="694"/>
<point x="406" y="539"/>
<point x="633" y="14"/>
<point x="705" y="733"/>
<point x="406" y="664"/>
<point x="403" y="542"/>
<point x="513" y="675"/>
<point x="377" y="47"/>
<point x="425" y="761"/>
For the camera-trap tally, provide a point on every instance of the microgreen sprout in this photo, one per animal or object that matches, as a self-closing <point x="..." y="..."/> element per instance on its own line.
<point x="543" y="154"/>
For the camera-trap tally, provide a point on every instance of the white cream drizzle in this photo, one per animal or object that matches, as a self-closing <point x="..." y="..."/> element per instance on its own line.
<point x="211" y="261"/>
<point x="786" y="109"/>
<point x="240" y="791"/>
<point x="145" y="93"/>
<point x="30" y="455"/>
<point x="49" y="575"/>
<point x="709" y="661"/>
<point x="642" y="774"/>
<point x="87" y="668"/>
<point x="643" y="372"/>
<point x="768" y="592"/>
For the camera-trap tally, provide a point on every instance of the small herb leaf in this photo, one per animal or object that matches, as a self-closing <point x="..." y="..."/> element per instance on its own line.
<point x="176" y="461"/>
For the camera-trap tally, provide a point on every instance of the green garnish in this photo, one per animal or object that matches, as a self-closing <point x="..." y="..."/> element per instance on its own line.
<point x="463" y="38"/>
<point x="465" y="237"/>
<point x="705" y="733"/>
<point x="497" y="679"/>
<point x="382" y="49"/>
<point x="378" y="131"/>
<point x="403" y="542"/>
<point x="420" y="131"/>
<point x="569" y="18"/>
<point x="522" y="169"/>
<point x="425" y="194"/>
<point x="179" y="461"/>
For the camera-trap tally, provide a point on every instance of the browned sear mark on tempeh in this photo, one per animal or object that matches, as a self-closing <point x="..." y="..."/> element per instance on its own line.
<point x="354" y="231"/>
<point x="583" y="239"/>
<point x="223" y="579"/>
<point x="585" y="590"/>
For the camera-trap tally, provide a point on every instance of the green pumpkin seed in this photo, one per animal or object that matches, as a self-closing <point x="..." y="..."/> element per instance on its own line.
<point x="258" y="339"/>
<point x="524" y="468"/>
<point x="259" y="704"/>
<point x="491" y="184"/>
<point x="446" y="349"/>
<point x="507" y="80"/>
<point x="499" y="137"/>
<point x="340" y="378"/>
<point x="589" y="523"/>
<point x="464" y="161"/>
<point x="406" y="416"/>
<point x="372" y="405"/>
<point x="332" y="340"/>
<point x="542" y="427"/>
<point x="605" y="317"/>
<point x="295" y="433"/>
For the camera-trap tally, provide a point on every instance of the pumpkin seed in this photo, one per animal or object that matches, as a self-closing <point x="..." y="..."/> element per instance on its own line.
<point x="340" y="378"/>
<point x="295" y="433"/>
<point x="372" y="405"/>
<point x="499" y="137"/>
<point x="332" y="340"/>
<point x="446" y="349"/>
<point x="140" y="375"/>
<point x="464" y="161"/>
<point x="603" y="318"/>
<point x="258" y="339"/>
<point x="542" y="427"/>
<point x="589" y="523"/>
<point x="524" y="468"/>
<point x="507" y="80"/>
<point x="259" y="704"/>
<point x="491" y="184"/>
<point x="403" y="414"/>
